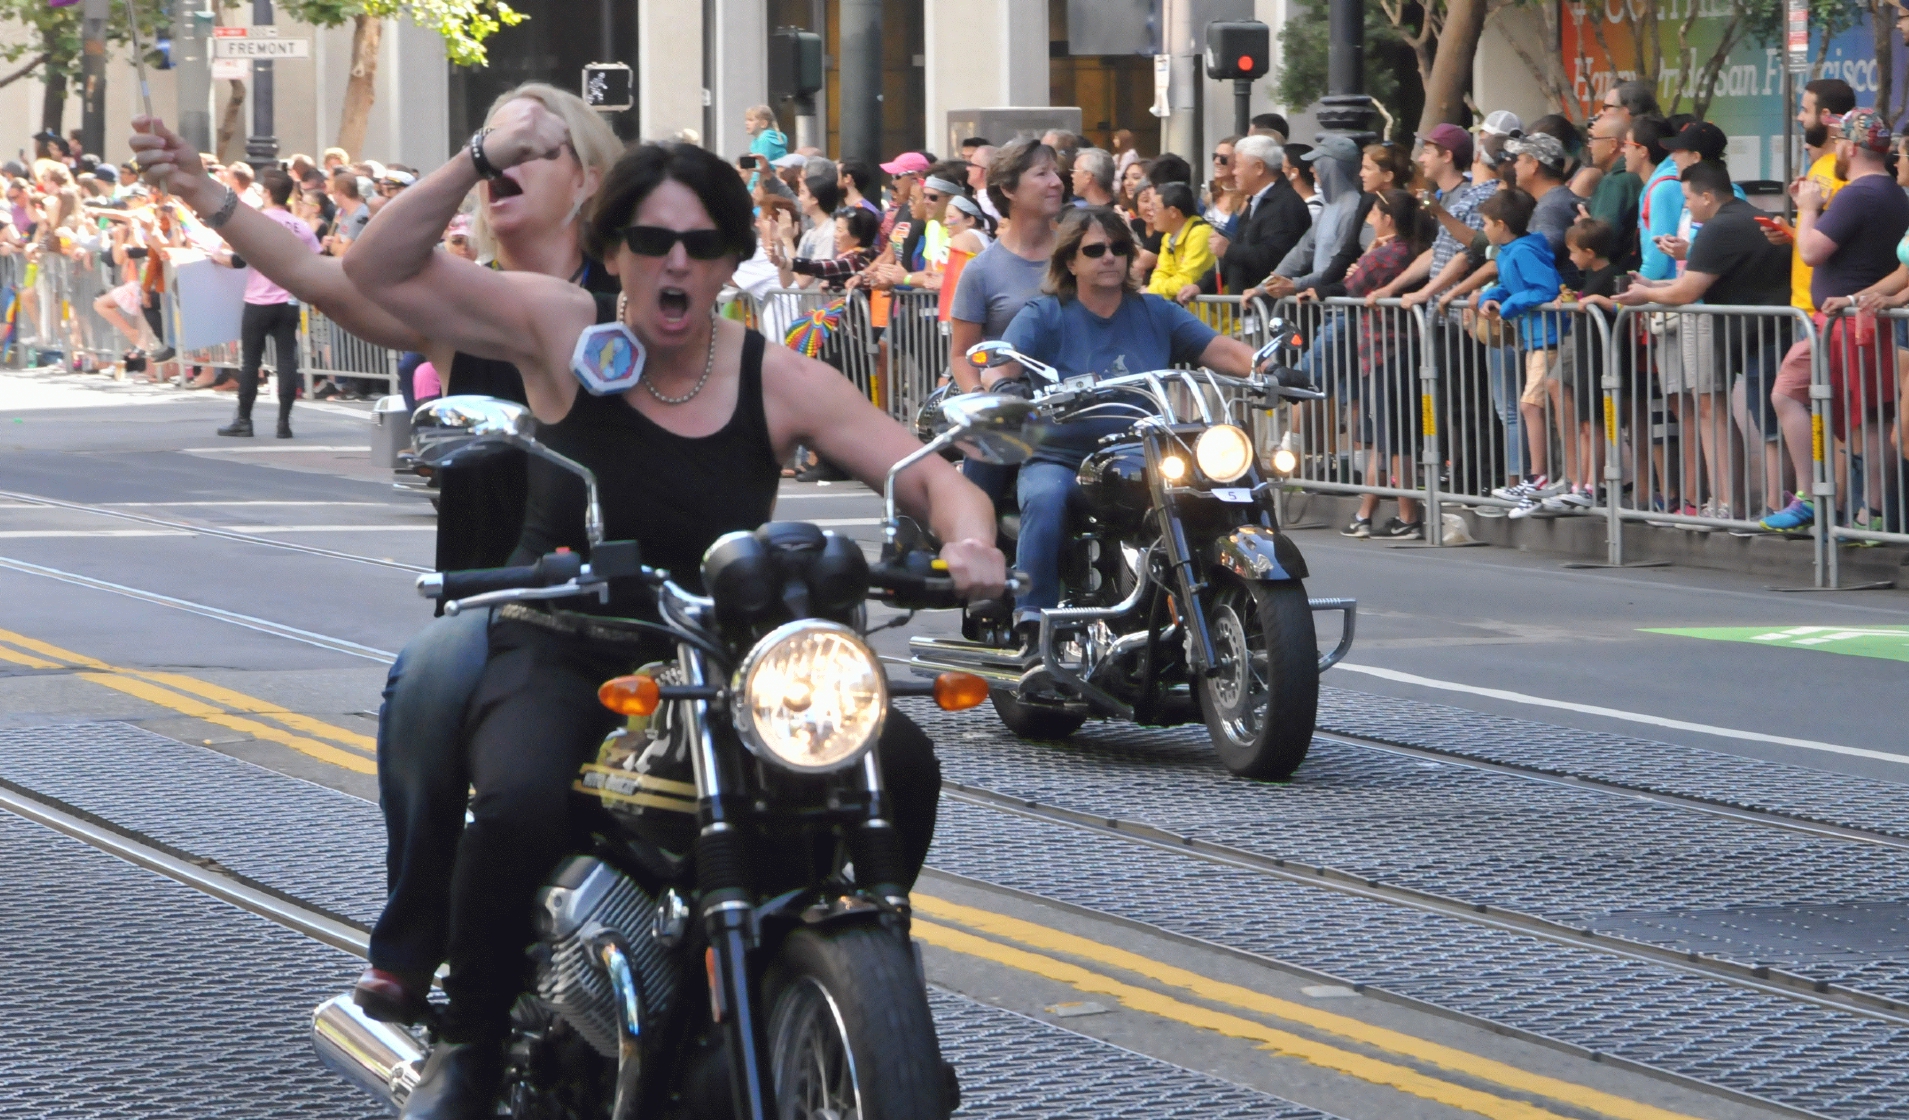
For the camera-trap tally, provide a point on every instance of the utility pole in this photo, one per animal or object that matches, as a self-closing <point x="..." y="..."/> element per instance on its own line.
<point x="861" y="80"/>
<point x="93" y="75"/>
<point x="1346" y="108"/>
<point x="261" y="148"/>
<point x="192" y="72"/>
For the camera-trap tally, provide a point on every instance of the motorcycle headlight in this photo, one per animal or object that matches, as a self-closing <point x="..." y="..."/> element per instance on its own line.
<point x="811" y="697"/>
<point x="1224" y="453"/>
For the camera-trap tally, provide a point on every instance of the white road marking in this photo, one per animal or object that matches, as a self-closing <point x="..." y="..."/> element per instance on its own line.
<point x="37" y="534"/>
<point x="275" y="450"/>
<point x="1616" y="713"/>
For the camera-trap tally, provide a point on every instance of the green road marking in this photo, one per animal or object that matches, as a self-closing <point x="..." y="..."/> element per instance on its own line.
<point x="1888" y="642"/>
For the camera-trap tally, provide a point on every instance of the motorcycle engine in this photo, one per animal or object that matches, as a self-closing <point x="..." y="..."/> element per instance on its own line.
<point x="586" y="901"/>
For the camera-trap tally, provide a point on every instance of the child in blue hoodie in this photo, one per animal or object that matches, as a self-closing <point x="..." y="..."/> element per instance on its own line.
<point x="1527" y="278"/>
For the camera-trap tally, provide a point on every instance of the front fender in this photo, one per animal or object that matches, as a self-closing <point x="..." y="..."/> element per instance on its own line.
<point x="1254" y="552"/>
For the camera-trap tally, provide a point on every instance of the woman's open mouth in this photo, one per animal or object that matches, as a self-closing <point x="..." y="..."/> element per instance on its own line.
<point x="674" y="304"/>
<point x="505" y="187"/>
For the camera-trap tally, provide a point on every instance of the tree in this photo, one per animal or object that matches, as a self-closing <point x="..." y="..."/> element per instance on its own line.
<point x="1438" y="30"/>
<point x="52" y="40"/>
<point x="1390" y="79"/>
<point x="464" y="25"/>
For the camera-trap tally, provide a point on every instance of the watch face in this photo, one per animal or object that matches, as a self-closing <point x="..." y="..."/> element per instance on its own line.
<point x="608" y="359"/>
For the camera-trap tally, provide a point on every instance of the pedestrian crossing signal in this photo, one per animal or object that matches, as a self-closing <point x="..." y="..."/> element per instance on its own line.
<point x="1238" y="50"/>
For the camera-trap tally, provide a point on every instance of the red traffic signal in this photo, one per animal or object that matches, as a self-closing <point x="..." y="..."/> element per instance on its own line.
<point x="1240" y="50"/>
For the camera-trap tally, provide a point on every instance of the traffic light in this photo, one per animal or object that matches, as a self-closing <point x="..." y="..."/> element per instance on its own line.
<point x="1239" y="50"/>
<point x="795" y="63"/>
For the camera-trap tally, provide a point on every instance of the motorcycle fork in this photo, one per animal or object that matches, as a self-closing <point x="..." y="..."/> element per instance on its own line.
<point x="729" y="916"/>
<point x="1181" y="559"/>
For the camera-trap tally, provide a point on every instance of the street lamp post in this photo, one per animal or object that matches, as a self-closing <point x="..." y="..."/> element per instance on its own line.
<point x="261" y="147"/>
<point x="1346" y="108"/>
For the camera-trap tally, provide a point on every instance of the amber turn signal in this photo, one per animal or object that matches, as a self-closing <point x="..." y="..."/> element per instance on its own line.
<point x="635" y="695"/>
<point x="957" y="692"/>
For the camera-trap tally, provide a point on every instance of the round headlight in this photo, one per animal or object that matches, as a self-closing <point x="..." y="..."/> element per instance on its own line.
<point x="1224" y="453"/>
<point x="811" y="697"/>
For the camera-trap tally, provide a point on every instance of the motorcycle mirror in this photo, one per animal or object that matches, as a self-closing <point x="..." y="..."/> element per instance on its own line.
<point x="467" y="424"/>
<point x="993" y="428"/>
<point x="984" y="354"/>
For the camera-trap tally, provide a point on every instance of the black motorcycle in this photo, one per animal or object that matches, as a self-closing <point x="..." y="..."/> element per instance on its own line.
<point x="732" y="938"/>
<point x="1182" y="599"/>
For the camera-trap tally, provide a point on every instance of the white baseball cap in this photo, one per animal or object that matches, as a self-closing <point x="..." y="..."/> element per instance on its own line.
<point x="1502" y="122"/>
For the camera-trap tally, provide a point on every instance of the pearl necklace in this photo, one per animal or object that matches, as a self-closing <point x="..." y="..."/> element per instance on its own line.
<point x="709" y="365"/>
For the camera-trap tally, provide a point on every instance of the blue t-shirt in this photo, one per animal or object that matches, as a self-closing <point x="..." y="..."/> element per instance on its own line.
<point x="1145" y="333"/>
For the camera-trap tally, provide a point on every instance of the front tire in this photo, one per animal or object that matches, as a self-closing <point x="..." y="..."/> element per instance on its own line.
<point x="849" y="1030"/>
<point x="1032" y="721"/>
<point x="1261" y="706"/>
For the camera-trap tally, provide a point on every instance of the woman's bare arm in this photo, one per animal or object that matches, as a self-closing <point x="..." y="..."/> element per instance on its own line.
<point x="517" y="317"/>
<point x="267" y="246"/>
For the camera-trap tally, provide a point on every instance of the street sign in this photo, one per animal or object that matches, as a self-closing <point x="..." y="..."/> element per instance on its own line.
<point x="1797" y="35"/>
<point x="609" y="87"/>
<point x="261" y="48"/>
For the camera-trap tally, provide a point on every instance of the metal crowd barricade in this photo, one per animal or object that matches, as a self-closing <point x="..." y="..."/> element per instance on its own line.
<point x="851" y="346"/>
<point x="1705" y="440"/>
<point x="917" y="351"/>
<point x="326" y="349"/>
<point x="1862" y="432"/>
<point x="1373" y="434"/>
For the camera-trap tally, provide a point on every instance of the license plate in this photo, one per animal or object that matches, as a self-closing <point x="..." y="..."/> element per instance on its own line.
<point x="1233" y="494"/>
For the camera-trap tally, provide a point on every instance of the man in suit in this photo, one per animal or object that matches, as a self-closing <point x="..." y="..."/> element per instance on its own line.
<point x="1275" y="218"/>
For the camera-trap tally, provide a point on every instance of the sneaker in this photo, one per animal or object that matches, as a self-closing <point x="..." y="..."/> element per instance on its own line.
<point x="1400" y="530"/>
<point x="1796" y="517"/>
<point x="1571" y="501"/>
<point x="1526" y="508"/>
<point x="326" y="391"/>
<point x="1518" y="491"/>
<point x="1360" y="529"/>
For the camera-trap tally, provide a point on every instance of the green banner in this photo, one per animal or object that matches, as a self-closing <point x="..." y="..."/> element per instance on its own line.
<point x="1887" y="642"/>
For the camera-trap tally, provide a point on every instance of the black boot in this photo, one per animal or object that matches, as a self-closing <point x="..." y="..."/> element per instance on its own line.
<point x="240" y="426"/>
<point x="284" y="428"/>
<point x="459" y="1082"/>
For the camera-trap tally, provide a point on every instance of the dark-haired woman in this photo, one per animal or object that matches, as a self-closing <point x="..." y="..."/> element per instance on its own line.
<point x="690" y="453"/>
<point x="1091" y="321"/>
<point x="1661" y="206"/>
<point x="855" y="232"/>
<point x="1390" y="397"/>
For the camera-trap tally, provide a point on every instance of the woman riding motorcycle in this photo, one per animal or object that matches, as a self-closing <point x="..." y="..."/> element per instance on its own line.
<point x="687" y="453"/>
<point x="532" y="223"/>
<point x="1092" y="321"/>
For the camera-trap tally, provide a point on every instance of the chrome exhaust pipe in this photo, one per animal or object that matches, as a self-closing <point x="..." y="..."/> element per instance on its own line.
<point x="380" y="1058"/>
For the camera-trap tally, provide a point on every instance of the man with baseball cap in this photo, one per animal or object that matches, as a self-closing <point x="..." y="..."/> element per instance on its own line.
<point x="1704" y="139"/>
<point x="1850" y="246"/>
<point x="1540" y="166"/>
<point x="1444" y="157"/>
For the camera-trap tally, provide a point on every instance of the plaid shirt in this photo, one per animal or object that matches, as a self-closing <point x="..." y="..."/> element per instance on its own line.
<point x="832" y="271"/>
<point x="1461" y="202"/>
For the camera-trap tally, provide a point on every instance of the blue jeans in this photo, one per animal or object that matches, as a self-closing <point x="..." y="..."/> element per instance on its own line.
<point x="1507" y="384"/>
<point x="423" y="786"/>
<point x="1048" y="491"/>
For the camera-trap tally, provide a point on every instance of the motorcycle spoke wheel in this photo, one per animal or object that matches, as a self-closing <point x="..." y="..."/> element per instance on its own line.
<point x="814" y="1070"/>
<point x="1261" y="705"/>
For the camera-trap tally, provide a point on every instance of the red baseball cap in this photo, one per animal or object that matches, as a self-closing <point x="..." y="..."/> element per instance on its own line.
<point x="1453" y="139"/>
<point x="907" y="163"/>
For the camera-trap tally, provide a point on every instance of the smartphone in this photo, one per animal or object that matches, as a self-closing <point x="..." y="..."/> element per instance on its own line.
<point x="746" y="161"/>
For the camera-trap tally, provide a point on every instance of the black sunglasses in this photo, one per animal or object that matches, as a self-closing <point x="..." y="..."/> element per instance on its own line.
<point x="1100" y="249"/>
<point x="656" y="241"/>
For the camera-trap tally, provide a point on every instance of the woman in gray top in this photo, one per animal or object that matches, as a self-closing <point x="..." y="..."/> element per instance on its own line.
<point x="1025" y="186"/>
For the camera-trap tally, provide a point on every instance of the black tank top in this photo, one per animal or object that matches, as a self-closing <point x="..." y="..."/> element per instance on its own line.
<point x="481" y="506"/>
<point x="672" y="494"/>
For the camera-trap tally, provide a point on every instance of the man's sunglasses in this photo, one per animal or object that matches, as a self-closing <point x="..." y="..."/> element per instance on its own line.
<point x="657" y="241"/>
<point x="1100" y="249"/>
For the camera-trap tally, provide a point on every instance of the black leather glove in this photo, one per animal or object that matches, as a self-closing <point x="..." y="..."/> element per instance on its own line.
<point x="1013" y="387"/>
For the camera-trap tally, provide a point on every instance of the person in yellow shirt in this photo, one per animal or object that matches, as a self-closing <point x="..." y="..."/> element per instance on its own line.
<point x="1823" y="99"/>
<point x="1186" y="252"/>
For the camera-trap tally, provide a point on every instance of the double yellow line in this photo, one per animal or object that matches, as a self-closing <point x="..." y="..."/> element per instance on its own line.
<point x="202" y="700"/>
<point x="1341" y="1044"/>
<point x="1377" y="1055"/>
